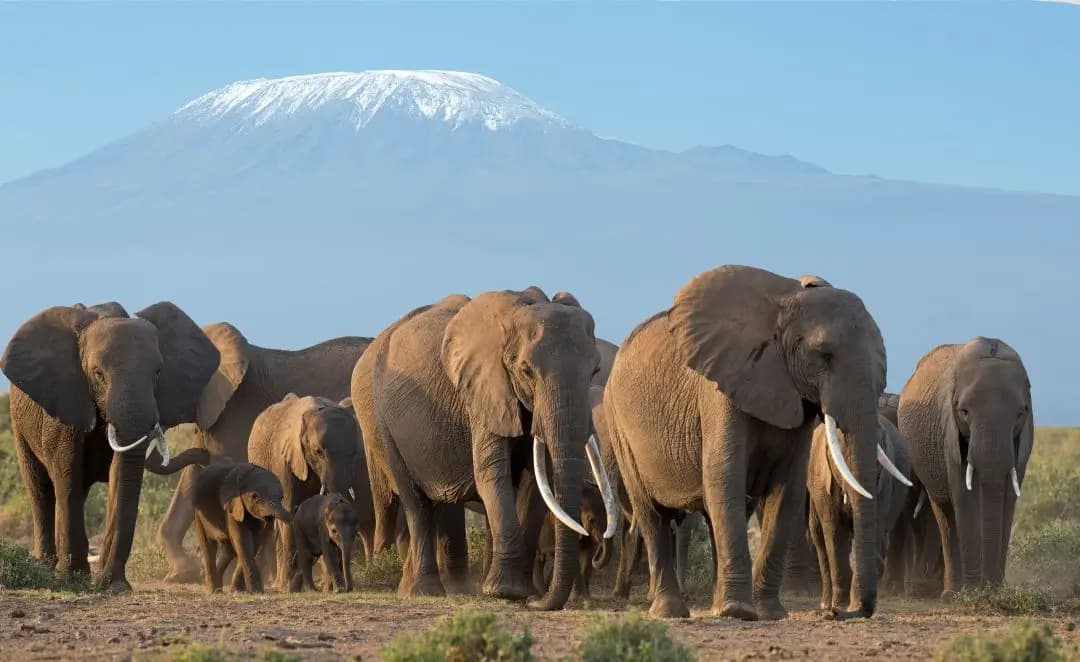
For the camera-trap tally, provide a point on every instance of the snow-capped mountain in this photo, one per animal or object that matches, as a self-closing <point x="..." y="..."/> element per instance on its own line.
<point x="455" y="98"/>
<point x="311" y="206"/>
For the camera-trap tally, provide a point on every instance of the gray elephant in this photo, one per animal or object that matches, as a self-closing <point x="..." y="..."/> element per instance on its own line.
<point x="248" y="380"/>
<point x="312" y="445"/>
<point x="454" y="397"/>
<point x="831" y="514"/>
<point x="92" y="390"/>
<point x="716" y="399"/>
<point x="324" y="526"/>
<point x="967" y="412"/>
<point x="233" y="503"/>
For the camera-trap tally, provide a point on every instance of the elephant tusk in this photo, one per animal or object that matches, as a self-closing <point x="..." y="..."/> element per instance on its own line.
<point x="322" y="489"/>
<point x="611" y="509"/>
<point x="1015" y="482"/>
<point x="837" y="456"/>
<point x="844" y="495"/>
<point x="919" y="505"/>
<point x="967" y="478"/>
<point x="540" y="469"/>
<point x="110" y="433"/>
<point x="158" y="440"/>
<point x="352" y="493"/>
<point x="885" y="461"/>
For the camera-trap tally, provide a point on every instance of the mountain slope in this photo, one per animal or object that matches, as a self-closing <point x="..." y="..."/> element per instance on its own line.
<point x="313" y="206"/>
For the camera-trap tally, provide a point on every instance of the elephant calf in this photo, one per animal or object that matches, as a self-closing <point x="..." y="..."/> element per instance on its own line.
<point x="232" y="506"/>
<point x="595" y="549"/>
<point x="324" y="526"/>
<point x="831" y="517"/>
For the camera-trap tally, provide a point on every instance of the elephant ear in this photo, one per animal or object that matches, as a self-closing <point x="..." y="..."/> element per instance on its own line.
<point x="293" y="431"/>
<point x="534" y="294"/>
<point x="809" y="280"/>
<point x="725" y="325"/>
<point x="473" y="350"/>
<point x="42" y="360"/>
<point x="234" y="350"/>
<point x="566" y="298"/>
<point x="103" y="310"/>
<point x="236" y="508"/>
<point x="189" y="359"/>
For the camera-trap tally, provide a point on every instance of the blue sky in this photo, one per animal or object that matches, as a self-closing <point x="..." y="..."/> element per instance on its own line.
<point x="968" y="94"/>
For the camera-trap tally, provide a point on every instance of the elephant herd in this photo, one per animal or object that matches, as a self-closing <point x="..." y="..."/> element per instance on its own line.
<point x="752" y="393"/>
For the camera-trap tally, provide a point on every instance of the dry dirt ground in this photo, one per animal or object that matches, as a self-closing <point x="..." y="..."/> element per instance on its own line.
<point x="158" y="620"/>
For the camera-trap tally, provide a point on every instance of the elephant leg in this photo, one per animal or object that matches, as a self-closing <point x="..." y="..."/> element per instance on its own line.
<point x="896" y="554"/>
<point x="285" y="554"/>
<point x="1006" y="535"/>
<point x="724" y="473"/>
<point x="331" y="558"/>
<point x="683" y="534"/>
<point x="209" y="549"/>
<point x="532" y="513"/>
<point x="838" y="545"/>
<point x="177" y="520"/>
<point x="487" y="548"/>
<point x="508" y="575"/>
<point x="950" y="546"/>
<point x="817" y="537"/>
<point x="784" y="514"/>
<point x="39" y="490"/>
<point x="667" y="599"/>
<point x="968" y="517"/>
<point x="386" y="506"/>
<point x="581" y="583"/>
<point x="452" y="551"/>
<point x="71" y="542"/>
<point x="245" y="547"/>
<point x="629" y="553"/>
<point x="421" y="573"/>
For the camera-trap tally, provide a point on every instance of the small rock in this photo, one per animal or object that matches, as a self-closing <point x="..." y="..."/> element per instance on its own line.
<point x="46" y="616"/>
<point x="326" y="636"/>
<point x="17" y="613"/>
<point x="26" y="627"/>
<point x="80" y="634"/>
<point x="1070" y="626"/>
<point x="113" y="640"/>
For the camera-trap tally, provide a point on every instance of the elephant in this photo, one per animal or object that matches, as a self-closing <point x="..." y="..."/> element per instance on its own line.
<point x="967" y="412"/>
<point x="92" y="390"/>
<point x="248" y="380"/>
<point x="715" y="400"/>
<point x="452" y="398"/>
<point x="913" y="562"/>
<point x="312" y="445"/>
<point x="594" y="550"/>
<point x="830" y="517"/>
<point x="324" y="525"/>
<point x="232" y="505"/>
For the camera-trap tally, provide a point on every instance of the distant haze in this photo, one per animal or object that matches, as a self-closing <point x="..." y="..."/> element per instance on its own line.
<point x="315" y="206"/>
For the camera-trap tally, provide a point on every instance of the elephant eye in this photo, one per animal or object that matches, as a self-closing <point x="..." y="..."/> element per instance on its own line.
<point x="99" y="375"/>
<point x="527" y="371"/>
<point x="964" y="413"/>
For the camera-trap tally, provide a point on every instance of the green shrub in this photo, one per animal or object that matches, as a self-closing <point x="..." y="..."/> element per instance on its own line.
<point x="470" y="636"/>
<point x="1026" y="642"/>
<point x="19" y="570"/>
<point x="381" y="572"/>
<point x="1012" y="600"/>
<point x="630" y="637"/>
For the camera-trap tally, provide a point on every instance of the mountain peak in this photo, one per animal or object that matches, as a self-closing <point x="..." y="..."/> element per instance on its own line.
<point x="455" y="98"/>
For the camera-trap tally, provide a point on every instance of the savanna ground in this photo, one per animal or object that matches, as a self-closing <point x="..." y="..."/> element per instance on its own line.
<point x="160" y="621"/>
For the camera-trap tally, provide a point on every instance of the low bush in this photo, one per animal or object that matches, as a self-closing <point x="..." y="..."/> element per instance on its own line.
<point x="630" y="637"/>
<point x="199" y="653"/>
<point x="1012" y="600"/>
<point x="19" y="570"/>
<point x="1025" y="642"/>
<point x="470" y="636"/>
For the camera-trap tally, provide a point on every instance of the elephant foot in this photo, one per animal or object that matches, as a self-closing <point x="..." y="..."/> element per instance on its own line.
<point x="669" y="605"/>
<point x="771" y="610"/>
<point x="424" y="585"/>
<point x="184" y="573"/>
<point x="948" y="595"/>
<point x="744" y="611"/>
<point x="503" y="583"/>
<point x="458" y="586"/>
<point x="842" y="615"/>
<point x="112" y="586"/>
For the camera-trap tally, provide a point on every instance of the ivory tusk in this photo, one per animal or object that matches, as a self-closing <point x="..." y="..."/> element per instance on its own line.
<point x="352" y="493"/>
<point x="885" y="461"/>
<point x="322" y="489"/>
<point x="540" y="470"/>
<point x="919" y="505"/>
<point x="837" y="456"/>
<point x="968" y="474"/>
<point x="611" y="509"/>
<point x="1015" y="482"/>
<point x="110" y="433"/>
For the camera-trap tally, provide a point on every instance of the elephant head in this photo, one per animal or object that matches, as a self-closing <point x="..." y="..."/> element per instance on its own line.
<point x="524" y="364"/>
<point x="322" y="437"/>
<point x="785" y="350"/>
<point x="342" y="526"/>
<point x="985" y="407"/>
<point x="251" y="491"/>
<point x="137" y="374"/>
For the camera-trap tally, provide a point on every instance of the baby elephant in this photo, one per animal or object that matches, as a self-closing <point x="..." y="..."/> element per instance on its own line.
<point x="233" y="503"/>
<point x="831" y="522"/>
<point x="324" y="525"/>
<point x="594" y="551"/>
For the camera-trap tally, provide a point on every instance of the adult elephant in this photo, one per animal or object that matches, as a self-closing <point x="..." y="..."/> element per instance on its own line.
<point x="92" y="391"/>
<point x="716" y="399"/>
<point x="967" y="412"/>
<point x="249" y="379"/>
<point x="451" y="400"/>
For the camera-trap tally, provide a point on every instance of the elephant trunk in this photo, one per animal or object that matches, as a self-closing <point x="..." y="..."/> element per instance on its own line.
<point x="346" y="560"/>
<point x="991" y="457"/>
<point x="197" y="456"/>
<point x="992" y="516"/>
<point x="603" y="553"/>
<point x="276" y="510"/>
<point x="862" y="436"/>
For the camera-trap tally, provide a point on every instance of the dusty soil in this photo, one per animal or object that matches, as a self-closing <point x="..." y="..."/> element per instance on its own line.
<point x="158" y="620"/>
